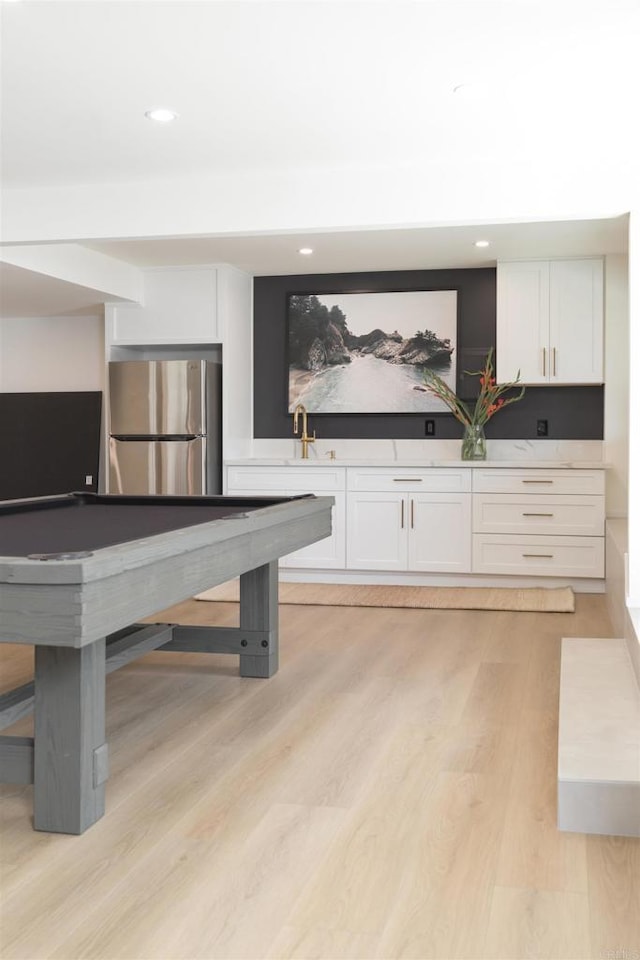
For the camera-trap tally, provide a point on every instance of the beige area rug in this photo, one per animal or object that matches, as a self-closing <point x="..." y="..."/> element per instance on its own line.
<point x="532" y="599"/>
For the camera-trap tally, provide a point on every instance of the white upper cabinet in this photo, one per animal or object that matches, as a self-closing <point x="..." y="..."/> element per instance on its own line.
<point x="180" y="307"/>
<point x="576" y="326"/>
<point x="550" y="321"/>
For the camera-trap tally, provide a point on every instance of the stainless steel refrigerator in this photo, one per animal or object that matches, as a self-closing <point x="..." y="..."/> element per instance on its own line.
<point x="165" y="426"/>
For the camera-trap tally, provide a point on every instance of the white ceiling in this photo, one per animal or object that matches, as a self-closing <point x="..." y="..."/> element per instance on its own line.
<point x="363" y="250"/>
<point x="264" y="86"/>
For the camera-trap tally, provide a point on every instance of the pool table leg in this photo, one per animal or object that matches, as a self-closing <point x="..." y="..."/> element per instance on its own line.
<point x="259" y="611"/>
<point x="70" y="753"/>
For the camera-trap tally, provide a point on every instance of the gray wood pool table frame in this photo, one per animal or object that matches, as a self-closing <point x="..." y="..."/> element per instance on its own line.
<point x="80" y="614"/>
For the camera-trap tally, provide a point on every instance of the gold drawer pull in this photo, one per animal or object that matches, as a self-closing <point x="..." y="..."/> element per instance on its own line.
<point x="545" y="556"/>
<point x="537" y="481"/>
<point x="407" y="479"/>
<point x="537" y="514"/>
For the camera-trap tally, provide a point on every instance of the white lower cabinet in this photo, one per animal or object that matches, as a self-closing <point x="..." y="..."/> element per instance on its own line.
<point x="538" y="522"/>
<point x="377" y="531"/>
<point x="552" y="515"/>
<point x="539" y="556"/>
<point x="486" y="520"/>
<point x="402" y="531"/>
<point x="327" y="554"/>
<point x="413" y="520"/>
<point x="440" y="539"/>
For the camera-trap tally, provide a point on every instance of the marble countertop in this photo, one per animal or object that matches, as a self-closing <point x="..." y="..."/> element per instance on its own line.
<point x="405" y="464"/>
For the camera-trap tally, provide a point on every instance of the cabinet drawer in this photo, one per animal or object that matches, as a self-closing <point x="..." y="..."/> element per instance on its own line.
<point x="497" y="480"/>
<point x="550" y="514"/>
<point x="408" y="480"/>
<point x="538" y="556"/>
<point x="285" y="479"/>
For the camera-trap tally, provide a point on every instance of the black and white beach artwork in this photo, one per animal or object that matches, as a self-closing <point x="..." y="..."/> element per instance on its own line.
<point x="367" y="352"/>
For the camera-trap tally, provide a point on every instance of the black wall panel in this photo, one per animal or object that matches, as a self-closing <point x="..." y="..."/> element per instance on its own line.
<point x="49" y="443"/>
<point x="572" y="413"/>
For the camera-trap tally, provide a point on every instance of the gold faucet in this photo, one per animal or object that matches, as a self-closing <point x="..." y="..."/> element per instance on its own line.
<point x="305" y="439"/>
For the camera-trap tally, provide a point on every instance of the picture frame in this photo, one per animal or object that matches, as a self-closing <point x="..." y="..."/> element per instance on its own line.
<point x="365" y="352"/>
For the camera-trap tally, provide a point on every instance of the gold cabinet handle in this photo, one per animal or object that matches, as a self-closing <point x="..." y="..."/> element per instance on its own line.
<point x="537" y="514"/>
<point x="554" y="361"/>
<point x="537" y="481"/>
<point x="544" y="556"/>
<point x="412" y="514"/>
<point x="402" y="514"/>
<point x="544" y="361"/>
<point x="407" y="479"/>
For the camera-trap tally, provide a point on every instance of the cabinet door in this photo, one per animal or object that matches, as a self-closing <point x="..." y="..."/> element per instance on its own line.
<point x="179" y="307"/>
<point x="377" y="527"/>
<point x="522" y="322"/>
<point x="576" y="321"/>
<point x="327" y="554"/>
<point x="440" y="532"/>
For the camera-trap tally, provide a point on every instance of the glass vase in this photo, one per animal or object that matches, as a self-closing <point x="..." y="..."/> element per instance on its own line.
<point x="474" y="443"/>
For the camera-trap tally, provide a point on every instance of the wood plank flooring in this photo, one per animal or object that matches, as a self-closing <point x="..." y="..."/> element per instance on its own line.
<point x="390" y="793"/>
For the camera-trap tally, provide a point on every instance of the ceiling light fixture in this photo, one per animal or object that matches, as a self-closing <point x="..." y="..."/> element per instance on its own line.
<point x="482" y="243"/>
<point x="474" y="90"/>
<point x="161" y="115"/>
<point x="305" y="251"/>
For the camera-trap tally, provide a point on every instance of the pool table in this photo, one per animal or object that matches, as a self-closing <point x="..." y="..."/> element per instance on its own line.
<point x="76" y="574"/>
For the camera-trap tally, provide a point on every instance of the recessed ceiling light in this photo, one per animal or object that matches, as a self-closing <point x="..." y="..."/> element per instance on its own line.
<point x="161" y="115"/>
<point x="305" y="251"/>
<point x="482" y="243"/>
<point x="471" y="90"/>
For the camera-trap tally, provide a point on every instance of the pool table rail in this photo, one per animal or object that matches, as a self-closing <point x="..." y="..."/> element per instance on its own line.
<point x="75" y="602"/>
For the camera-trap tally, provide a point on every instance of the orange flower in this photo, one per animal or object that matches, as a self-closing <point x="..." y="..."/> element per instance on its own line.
<point x="489" y="399"/>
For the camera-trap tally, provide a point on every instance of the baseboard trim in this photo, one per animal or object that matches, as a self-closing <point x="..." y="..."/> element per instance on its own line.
<point x="578" y="585"/>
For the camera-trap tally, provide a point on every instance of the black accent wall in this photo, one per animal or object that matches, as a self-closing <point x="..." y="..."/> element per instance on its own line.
<point x="49" y="443"/>
<point x="572" y="413"/>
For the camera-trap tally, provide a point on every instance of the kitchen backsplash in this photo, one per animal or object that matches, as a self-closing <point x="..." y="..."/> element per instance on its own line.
<point x="403" y="451"/>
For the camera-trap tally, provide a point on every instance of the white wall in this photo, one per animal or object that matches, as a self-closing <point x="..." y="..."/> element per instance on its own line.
<point x="423" y="194"/>
<point x="616" y="395"/>
<point x="51" y="354"/>
<point x="634" y="408"/>
<point x="235" y="319"/>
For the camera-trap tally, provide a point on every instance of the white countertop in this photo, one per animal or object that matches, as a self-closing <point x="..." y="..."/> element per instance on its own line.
<point x="420" y="464"/>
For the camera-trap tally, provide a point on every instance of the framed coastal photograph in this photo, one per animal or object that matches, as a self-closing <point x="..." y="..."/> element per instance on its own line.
<point x="367" y="352"/>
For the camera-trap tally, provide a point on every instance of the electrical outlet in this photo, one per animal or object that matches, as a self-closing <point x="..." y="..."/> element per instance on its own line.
<point x="429" y="428"/>
<point x="542" y="428"/>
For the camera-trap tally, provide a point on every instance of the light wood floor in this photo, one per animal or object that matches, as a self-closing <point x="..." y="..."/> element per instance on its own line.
<point x="389" y="793"/>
